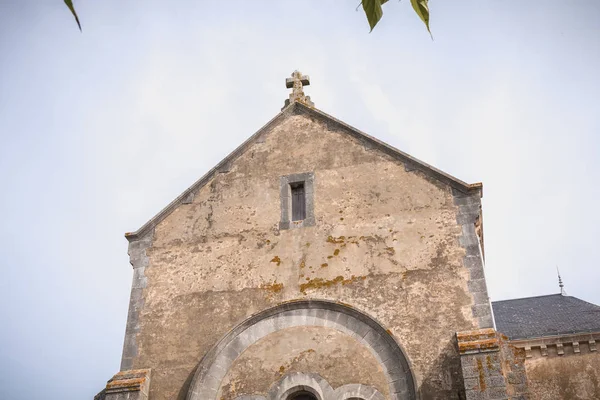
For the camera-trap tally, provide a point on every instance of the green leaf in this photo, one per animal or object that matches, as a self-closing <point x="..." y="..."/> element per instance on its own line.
<point x="69" y="4"/>
<point x="422" y="9"/>
<point x="373" y="11"/>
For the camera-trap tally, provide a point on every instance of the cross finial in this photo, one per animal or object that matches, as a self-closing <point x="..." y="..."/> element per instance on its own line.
<point x="560" y="283"/>
<point x="297" y="83"/>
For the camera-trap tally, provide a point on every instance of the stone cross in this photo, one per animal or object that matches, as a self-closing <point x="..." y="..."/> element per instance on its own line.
<point x="297" y="83"/>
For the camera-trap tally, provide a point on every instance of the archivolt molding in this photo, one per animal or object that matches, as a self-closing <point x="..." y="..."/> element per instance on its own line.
<point x="297" y="382"/>
<point x="357" y="391"/>
<point x="315" y="384"/>
<point x="216" y="363"/>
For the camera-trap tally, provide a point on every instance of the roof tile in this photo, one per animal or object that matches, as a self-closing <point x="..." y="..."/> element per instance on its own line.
<point x="549" y="315"/>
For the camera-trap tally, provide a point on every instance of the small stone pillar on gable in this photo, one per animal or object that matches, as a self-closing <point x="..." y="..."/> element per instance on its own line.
<point x="127" y="385"/>
<point x="492" y="369"/>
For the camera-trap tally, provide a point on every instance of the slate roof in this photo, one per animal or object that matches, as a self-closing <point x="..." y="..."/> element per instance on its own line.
<point x="550" y="315"/>
<point x="299" y="108"/>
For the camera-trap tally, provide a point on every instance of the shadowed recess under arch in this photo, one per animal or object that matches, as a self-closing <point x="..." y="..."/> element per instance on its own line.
<point x="316" y="387"/>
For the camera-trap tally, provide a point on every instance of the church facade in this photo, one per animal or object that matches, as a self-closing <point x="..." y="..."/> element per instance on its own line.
<point x="317" y="262"/>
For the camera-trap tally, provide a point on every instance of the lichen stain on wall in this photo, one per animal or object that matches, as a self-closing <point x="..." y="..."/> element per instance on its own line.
<point x="384" y="241"/>
<point x="569" y="377"/>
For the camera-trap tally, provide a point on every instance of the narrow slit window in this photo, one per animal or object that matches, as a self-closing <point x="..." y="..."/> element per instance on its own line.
<point x="298" y="201"/>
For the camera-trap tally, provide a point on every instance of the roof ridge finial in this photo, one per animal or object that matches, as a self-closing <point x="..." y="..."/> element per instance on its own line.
<point x="560" y="283"/>
<point x="297" y="83"/>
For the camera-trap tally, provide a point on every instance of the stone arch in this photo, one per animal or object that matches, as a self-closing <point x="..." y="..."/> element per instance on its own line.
<point x="317" y="386"/>
<point x="297" y="382"/>
<point x="357" y="392"/>
<point x="216" y="363"/>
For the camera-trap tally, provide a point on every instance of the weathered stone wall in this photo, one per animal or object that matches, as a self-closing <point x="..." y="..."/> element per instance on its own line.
<point x="387" y="240"/>
<point x="570" y="376"/>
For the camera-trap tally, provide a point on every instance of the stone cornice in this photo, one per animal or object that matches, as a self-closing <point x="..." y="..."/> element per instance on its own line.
<point x="573" y="341"/>
<point x="128" y="381"/>
<point x="132" y="384"/>
<point x="478" y="341"/>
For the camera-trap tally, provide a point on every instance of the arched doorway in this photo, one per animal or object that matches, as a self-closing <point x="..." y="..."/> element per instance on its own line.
<point x="215" y="364"/>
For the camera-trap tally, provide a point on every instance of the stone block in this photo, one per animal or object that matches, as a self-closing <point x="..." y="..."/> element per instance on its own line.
<point x="481" y="299"/>
<point x="467" y="200"/>
<point x="463" y="219"/>
<point x="486" y="321"/>
<point x="471" y="383"/>
<point x="477" y="285"/>
<point x="475" y="274"/>
<point x="470" y="209"/>
<point x="475" y="395"/>
<point x="515" y="378"/>
<point x="470" y="372"/>
<point x="473" y="262"/>
<point x="496" y="381"/>
<point x="399" y="386"/>
<point x="496" y="393"/>
<point x="468" y="240"/>
<point x="479" y="309"/>
<point x="130" y="385"/>
<point x="473" y="250"/>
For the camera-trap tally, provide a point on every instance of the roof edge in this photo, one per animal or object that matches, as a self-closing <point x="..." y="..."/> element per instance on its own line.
<point x="533" y="297"/>
<point x="566" y="335"/>
<point x="162" y="214"/>
<point x="467" y="188"/>
<point x="474" y="188"/>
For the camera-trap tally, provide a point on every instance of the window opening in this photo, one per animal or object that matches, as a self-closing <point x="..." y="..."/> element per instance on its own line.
<point x="298" y="201"/>
<point x="302" y="396"/>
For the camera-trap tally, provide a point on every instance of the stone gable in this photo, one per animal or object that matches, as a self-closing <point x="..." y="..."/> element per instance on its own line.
<point x="316" y="262"/>
<point x="387" y="240"/>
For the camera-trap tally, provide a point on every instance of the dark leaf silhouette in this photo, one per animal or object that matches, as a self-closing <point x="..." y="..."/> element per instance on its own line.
<point x="69" y="4"/>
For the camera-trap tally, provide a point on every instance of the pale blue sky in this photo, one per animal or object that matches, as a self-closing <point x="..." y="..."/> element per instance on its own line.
<point x="99" y="130"/>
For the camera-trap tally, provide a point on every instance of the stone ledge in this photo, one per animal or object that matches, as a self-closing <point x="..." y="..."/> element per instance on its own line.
<point x="478" y="341"/>
<point x="137" y="380"/>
